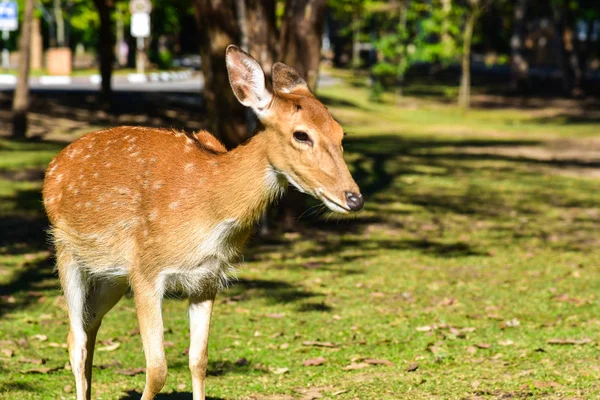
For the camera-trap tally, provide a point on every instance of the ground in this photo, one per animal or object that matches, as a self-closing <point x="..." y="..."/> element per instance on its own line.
<point x="472" y="273"/>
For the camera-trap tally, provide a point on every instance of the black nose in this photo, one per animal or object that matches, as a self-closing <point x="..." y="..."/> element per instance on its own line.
<point x="355" y="201"/>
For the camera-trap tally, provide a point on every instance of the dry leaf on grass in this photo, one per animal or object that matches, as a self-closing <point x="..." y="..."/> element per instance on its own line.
<point x="318" y="344"/>
<point x="338" y="392"/>
<point x="313" y="362"/>
<point x="61" y="345"/>
<point x="41" y="370"/>
<point x="279" y="371"/>
<point x="37" y="361"/>
<point x="110" y="347"/>
<point x="23" y="343"/>
<point x="131" y="371"/>
<point x="506" y="342"/>
<point x="276" y="316"/>
<point x="40" y="337"/>
<point x="565" y="298"/>
<point x="412" y="367"/>
<point x="112" y="364"/>
<point x="375" y="361"/>
<point x="483" y="345"/>
<point x="240" y="362"/>
<point x="511" y="323"/>
<point x="355" y="366"/>
<point x="570" y="341"/>
<point x="8" y="352"/>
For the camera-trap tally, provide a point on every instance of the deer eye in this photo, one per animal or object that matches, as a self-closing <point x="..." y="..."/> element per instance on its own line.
<point x="302" y="137"/>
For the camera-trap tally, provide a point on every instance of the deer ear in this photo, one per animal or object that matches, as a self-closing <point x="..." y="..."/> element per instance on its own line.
<point x="247" y="80"/>
<point x="287" y="80"/>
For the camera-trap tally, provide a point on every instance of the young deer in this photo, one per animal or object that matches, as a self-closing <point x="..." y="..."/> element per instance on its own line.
<point x="155" y="210"/>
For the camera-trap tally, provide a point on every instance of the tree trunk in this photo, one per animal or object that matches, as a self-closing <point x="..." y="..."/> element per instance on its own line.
<point x="301" y="32"/>
<point x="464" y="96"/>
<point x="355" y="39"/>
<point x="219" y="28"/>
<point x="403" y="61"/>
<point x="106" y="47"/>
<point x="519" y="66"/>
<point x="21" y="97"/>
<point x="263" y="35"/>
<point x="568" y="60"/>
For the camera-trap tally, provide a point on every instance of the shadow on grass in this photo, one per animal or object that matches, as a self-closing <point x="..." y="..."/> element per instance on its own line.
<point x="135" y="395"/>
<point x="379" y="163"/>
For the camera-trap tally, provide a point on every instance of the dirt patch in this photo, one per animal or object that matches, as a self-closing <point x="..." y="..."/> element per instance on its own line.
<point x="572" y="157"/>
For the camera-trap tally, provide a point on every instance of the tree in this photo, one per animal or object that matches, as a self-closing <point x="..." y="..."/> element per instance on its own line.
<point x="518" y="63"/>
<point x="21" y="96"/>
<point x="218" y="29"/>
<point x="473" y="11"/>
<point x="106" y="46"/>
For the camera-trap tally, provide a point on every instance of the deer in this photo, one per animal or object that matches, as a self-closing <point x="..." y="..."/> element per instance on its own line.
<point x="156" y="210"/>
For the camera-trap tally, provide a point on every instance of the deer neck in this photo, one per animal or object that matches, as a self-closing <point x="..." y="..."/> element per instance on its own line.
<point x="246" y="182"/>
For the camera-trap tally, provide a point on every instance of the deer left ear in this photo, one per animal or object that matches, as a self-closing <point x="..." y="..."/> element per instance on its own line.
<point x="247" y="80"/>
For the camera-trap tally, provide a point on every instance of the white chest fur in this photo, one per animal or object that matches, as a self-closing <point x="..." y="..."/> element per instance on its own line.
<point x="206" y="265"/>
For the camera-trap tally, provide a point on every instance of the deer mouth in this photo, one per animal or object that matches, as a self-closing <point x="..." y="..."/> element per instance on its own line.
<point x="333" y="205"/>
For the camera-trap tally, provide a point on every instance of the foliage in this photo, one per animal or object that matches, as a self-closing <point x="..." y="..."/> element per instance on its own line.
<point x="419" y="32"/>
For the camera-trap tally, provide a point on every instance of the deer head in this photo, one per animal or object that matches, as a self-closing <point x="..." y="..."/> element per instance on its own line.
<point x="305" y="142"/>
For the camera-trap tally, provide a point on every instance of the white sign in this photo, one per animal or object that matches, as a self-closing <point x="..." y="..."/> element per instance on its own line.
<point x="9" y="16"/>
<point x="140" y="25"/>
<point x="140" y="6"/>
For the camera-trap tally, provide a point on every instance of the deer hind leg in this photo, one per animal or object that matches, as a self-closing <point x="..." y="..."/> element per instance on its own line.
<point x="102" y="297"/>
<point x="148" y="302"/>
<point x="87" y="303"/>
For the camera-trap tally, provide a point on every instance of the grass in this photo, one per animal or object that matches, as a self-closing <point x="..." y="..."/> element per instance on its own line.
<point x="463" y="265"/>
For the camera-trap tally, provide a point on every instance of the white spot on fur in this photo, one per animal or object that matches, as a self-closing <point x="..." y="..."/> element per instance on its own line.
<point x="153" y="215"/>
<point x="157" y="185"/>
<point x="189" y="167"/>
<point x="173" y="205"/>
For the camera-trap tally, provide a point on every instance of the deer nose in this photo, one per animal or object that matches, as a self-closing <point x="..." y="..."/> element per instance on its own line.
<point x="355" y="201"/>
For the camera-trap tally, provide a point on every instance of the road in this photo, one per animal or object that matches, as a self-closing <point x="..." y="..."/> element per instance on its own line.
<point x="121" y="84"/>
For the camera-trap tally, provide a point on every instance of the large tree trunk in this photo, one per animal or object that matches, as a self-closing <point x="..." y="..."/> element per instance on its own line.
<point x="568" y="59"/>
<point x="21" y="97"/>
<point x="301" y="32"/>
<point x="519" y="66"/>
<point x="263" y="35"/>
<point x="464" y="95"/>
<point x="106" y="47"/>
<point x="219" y="28"/>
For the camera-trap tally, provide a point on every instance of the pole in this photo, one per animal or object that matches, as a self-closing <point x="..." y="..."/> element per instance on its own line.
<point x="140" y="55"/>
<point x="5" y="53"/>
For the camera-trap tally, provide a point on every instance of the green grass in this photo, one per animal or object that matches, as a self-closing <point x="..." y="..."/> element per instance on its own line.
<point x="452" y="245"/>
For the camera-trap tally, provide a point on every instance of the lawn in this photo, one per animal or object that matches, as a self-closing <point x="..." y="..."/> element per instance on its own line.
<point x="473" y="272"/>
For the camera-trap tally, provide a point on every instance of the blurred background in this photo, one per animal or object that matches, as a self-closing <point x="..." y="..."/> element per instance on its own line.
<point x="473" y="130"/>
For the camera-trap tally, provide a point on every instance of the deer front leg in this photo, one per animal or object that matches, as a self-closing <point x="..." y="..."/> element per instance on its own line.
<point x="200" y="312"/>
<point x="148" y="302"/>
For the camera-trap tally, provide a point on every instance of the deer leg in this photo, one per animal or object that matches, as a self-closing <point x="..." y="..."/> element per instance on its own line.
<point x="75" y="289"/>
<point x="148" y="301"/>
<point x="87" y="303"/>
<point x="200" y="312"/>
<point x="102" y="297"/>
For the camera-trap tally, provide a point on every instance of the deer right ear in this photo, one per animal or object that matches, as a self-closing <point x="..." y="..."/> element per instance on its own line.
<point x="247" y="80"/>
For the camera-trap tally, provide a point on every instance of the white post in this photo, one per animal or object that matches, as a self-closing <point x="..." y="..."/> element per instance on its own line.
<point x="5" y="53"/>
<point x="140" y="55"/>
